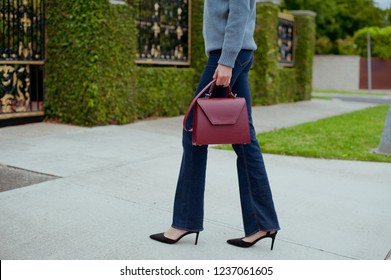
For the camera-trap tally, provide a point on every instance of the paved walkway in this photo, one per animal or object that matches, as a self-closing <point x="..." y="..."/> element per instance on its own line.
<point x="116" y="187"/>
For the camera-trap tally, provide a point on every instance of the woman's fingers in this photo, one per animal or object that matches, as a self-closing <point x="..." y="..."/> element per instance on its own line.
<point x="223" y="75"/>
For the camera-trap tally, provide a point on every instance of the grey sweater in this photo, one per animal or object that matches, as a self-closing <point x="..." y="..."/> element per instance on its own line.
<point x="229" y="25"/>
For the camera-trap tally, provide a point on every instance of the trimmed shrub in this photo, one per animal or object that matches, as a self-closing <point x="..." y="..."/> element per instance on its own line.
<point x="92" y="78"/>
<point x="90" y="73"/>
<point x="163" y="91"/>
<point x="304" y="54"/>
<point x="198" y="56"/>
<point x="265" y="79"/>
<point x="270" y="83"/>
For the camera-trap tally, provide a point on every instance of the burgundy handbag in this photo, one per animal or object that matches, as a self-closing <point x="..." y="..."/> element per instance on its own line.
<point x="219" y="120"/>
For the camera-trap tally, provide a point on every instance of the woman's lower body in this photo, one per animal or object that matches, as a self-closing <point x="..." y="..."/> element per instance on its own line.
<point x="257" y="205"/>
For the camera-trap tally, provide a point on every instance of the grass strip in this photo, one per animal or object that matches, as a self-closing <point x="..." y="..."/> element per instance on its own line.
<point x="362" y="92"/>
<point x="351" y="136"/>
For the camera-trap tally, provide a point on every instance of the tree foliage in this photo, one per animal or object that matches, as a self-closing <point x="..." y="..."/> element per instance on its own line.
<point x="380" y="41"/>
<point x="338" y="20"/>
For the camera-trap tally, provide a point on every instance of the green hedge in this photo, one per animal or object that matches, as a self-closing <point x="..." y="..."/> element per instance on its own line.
<point x="92" y="78"/>
<point x="271" y="83"/>
<point x="198" y="57"/>
<point x="265" y="78"/>
<point x="304" y="55"/>
<point x="287" y="86"/>
<point x="90" y="69"/>
<point x="163" y="91"/>
<point x="380" y="41"/>
<point x="167" y="91"/>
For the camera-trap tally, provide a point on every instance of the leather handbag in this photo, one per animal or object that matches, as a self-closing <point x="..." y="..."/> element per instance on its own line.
<point x="218" y="120"/>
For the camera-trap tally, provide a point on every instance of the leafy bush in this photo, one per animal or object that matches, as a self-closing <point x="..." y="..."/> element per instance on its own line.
<point x="380" y="41"/>
<point x="324" y="45"/>
<point x="347" y="46"/>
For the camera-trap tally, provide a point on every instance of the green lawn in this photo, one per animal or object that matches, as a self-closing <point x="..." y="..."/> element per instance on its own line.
<point x="350" y="136"/>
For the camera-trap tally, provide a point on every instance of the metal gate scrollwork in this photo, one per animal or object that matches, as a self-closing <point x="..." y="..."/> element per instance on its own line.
<point x="22" y="57"/>
<point x="164" y="32"/>
<point x="286" y="24"/>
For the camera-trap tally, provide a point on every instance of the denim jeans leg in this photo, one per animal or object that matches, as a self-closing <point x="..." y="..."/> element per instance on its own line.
<point x="256" y="200"/>
<point x="257" y="204"/>
<point x="189" y="195"/>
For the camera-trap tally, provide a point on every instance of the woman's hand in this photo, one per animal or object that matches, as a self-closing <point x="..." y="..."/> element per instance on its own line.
<point x="223" y="75"/>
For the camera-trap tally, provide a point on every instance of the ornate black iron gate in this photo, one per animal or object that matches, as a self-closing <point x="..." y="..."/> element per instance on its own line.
<point x="22" y="58"/>
<point x="164" y="32"/>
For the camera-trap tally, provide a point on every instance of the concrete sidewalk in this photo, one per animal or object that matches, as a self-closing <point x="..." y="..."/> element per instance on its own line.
<point x="116" y="186"/>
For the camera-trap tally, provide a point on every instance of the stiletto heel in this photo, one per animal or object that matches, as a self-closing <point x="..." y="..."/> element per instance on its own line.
<point x="273" y="237"/>
<point x="239" y="242"/>
<point x="196" y="241"/>
<point x="161" y="238"/>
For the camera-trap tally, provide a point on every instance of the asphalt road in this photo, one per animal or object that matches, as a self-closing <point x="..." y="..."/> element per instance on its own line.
<point x="374" y="99"/>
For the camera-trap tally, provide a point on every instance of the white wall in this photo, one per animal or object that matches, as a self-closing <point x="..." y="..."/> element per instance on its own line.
<point x="336" y="72"/>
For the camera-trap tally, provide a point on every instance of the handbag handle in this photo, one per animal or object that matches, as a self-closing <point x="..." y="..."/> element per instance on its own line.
<point x="229" y="91"/>
<point x="209" y="94"/>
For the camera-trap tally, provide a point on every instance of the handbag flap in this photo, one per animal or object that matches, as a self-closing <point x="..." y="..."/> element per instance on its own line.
<point x="222" y="111"/>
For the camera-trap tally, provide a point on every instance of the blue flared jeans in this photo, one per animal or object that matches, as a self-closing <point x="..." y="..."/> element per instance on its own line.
<point x="258" y="211"/>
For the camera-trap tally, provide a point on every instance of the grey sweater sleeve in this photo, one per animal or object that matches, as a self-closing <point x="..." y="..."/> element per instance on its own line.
<point x="238" y="17"/>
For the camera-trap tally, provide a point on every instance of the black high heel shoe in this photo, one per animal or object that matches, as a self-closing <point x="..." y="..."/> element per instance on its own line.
<point x="161" y="238"/>
<point x="240" y="243"/>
